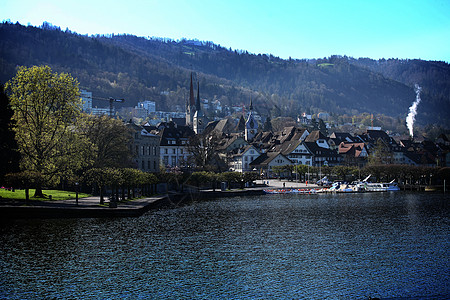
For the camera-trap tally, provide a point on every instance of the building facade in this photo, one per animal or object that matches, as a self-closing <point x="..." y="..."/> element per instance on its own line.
<point x="146" y="149"/>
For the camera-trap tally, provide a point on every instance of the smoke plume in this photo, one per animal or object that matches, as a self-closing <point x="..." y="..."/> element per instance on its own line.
<point x="413" y="111"/>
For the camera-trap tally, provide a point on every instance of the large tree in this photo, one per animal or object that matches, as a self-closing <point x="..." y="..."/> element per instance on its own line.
<point x="46" y="105"/>
<point x="110" y="140"/>
<point x="205" y="157"/>
<point x="8" y="146"/>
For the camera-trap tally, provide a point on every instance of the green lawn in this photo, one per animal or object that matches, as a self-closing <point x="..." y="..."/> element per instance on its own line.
<point x="325" y="65"/>
<point x="56" y="195"/>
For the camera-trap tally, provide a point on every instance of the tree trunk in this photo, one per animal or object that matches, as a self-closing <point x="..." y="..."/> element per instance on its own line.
<point x="102" y="201"/>
<point x="38" y="192"/>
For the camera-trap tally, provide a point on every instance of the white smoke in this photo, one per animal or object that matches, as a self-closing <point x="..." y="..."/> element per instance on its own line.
<point x="413" y="111"/>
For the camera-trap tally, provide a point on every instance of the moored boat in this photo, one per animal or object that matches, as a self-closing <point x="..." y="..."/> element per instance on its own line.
<point x="290" y="191"/>
<point x="382" y="187"/>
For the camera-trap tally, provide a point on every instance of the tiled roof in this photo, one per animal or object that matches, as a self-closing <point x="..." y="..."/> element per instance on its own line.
<point x="265" y="158"/>
<point x="314" y="136"/>
<point x="353" y="149"/>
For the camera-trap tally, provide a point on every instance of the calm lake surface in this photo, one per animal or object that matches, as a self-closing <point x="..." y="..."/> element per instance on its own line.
<point x="355" y="246"/>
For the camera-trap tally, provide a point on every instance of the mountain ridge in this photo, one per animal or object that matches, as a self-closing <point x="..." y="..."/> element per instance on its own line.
<point x="137" y="68"/>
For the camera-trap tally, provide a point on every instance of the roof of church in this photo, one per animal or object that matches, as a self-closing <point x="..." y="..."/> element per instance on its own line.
<point x="191" y="94"/>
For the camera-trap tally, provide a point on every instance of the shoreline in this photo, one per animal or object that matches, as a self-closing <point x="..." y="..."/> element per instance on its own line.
<point x="90" y="208"/>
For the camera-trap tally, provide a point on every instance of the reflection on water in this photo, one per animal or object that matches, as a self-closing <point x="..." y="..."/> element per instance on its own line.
<point x="354" y="246"/>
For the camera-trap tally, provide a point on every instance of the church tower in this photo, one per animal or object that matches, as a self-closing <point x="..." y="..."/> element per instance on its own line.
<point x="190" y="105"/>
<point x="251" y="125"/>
<point x="199" y="120"/>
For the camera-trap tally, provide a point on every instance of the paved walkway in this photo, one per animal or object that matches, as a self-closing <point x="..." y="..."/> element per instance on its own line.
<point x="89" y="206"/>
<point x="94" y="201"/>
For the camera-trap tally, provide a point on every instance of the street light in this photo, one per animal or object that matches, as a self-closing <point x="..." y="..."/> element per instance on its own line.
<point x="76" y="193"/>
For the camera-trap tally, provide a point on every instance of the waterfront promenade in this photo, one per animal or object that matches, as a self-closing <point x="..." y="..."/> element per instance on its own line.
<point x="89" y="206"/>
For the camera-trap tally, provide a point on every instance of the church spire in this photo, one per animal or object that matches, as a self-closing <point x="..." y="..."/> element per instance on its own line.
<point x="197" y="104"/>
<point x="251" y="125"/>
<point x="191" y="94"/>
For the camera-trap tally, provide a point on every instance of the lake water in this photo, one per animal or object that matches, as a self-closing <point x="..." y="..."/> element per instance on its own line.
<point x="355" y="246"/>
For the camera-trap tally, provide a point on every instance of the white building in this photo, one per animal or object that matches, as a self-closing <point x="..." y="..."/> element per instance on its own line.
<point x="298" y="154"/>
<point x="86" y="98"/>
<point x="149" y="106"/>
<point x="100" y="111"/>
<point x="240" y="161"/>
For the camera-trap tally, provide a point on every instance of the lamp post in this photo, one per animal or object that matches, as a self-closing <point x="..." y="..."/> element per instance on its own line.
<point x="76" y="193"/>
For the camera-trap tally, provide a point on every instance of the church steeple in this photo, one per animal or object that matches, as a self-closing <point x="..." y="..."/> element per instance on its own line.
<point x="199" y="121"/>
<point x="191" y="94"/>
<point x="190" y="105"/>
<point x="251" y="125"/>
<point x="197" y="103"/>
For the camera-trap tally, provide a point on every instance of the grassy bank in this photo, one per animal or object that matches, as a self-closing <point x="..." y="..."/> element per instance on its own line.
<point x="56" y="195"/>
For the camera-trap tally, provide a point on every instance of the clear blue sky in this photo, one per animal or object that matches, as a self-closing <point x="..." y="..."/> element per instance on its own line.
<point x="297" y="29"/>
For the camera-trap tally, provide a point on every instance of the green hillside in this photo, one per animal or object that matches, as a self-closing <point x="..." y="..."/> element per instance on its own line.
<point x="137" y="68"/>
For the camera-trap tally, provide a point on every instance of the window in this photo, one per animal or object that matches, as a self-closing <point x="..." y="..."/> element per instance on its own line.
<point x="174" y="151"/>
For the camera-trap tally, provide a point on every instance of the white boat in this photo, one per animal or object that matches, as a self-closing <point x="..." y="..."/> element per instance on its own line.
<point x="382" y="187"/>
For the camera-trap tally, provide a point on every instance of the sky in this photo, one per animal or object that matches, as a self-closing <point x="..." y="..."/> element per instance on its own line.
<point x="406" y="29"/>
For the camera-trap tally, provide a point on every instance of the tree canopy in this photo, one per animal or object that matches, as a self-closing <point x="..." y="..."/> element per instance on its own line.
<point x="46" y="105"/>
<point x="109" y="139"/>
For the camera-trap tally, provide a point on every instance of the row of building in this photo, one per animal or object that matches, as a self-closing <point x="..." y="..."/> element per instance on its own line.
<point x="244" y="147"/>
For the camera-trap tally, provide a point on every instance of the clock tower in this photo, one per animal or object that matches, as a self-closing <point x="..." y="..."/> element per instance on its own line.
<point x="251" y="125"/>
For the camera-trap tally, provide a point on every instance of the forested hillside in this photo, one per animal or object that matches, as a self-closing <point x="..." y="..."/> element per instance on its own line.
<point x="137" y="68"/>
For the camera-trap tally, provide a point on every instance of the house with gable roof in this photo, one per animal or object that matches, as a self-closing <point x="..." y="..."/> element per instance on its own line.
<point x="336" y="138"/>
<point x="354" y="154"/>
<point x="323" y="156"/>
<point x="240" y="159"/>
<point x="267" y="161"/>
<point x="319" y="138"/>
<point x="296" y="151"/>
<point x="174" y="140"/>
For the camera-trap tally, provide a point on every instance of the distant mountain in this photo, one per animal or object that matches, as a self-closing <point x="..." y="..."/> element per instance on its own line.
<point x="137" y="68"/>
